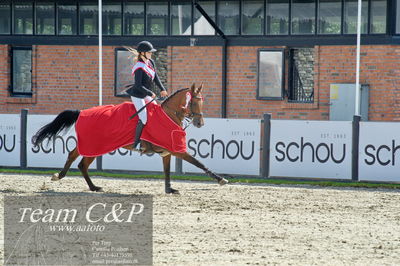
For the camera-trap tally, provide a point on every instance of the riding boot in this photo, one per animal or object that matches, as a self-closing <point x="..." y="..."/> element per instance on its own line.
<point x="138" y="133"/>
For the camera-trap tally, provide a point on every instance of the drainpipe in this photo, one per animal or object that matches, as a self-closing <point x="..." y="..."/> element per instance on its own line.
<point x="224" y="56"/>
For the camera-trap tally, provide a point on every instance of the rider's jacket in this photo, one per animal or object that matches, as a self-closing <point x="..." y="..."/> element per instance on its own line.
<point x="144" y="74"/>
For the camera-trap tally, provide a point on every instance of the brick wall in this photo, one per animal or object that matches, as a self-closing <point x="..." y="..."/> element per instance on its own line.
<point x="66" y="77"/>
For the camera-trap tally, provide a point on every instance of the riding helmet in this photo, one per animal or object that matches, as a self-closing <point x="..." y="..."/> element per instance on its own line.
<point x="145" y="46"/>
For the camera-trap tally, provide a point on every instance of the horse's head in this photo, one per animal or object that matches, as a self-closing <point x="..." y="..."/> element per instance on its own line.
<point x="185" y="103"/>
<point x="196" y="106"/>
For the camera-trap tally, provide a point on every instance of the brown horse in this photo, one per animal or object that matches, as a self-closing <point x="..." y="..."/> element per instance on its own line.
<point x="174" y="107"/>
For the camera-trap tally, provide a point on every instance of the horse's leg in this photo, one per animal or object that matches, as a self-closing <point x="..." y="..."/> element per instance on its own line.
<point x="71" y="158"/>
<point x="167" y="171"/>
<point x="190" y="159"/>
<point x="84" y="166"/>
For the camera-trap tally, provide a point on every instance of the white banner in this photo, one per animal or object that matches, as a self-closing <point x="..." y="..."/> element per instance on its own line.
<point x="379" y="151"/>
<point x="51" y="154"/>
<point x="123" y="159"/>
<point x="226" y="146"/>
<point x="10" y="132"/>
<point x="315" y="149"/>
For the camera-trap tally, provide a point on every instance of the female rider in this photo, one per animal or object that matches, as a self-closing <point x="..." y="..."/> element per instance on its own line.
<point x="144" y="72"/>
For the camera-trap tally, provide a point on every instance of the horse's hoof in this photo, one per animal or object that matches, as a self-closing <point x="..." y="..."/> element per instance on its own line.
<point x="171" y="191"/>
<point x="55" y="177"/>
<point x="223" y="181"/>
<point x="97" y="189"/>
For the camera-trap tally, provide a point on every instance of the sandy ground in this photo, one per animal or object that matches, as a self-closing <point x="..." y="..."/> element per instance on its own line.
<point x="252" y="224"/>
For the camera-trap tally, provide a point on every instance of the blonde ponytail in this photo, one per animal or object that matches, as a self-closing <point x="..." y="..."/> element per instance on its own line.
<point x="133" y="53"/>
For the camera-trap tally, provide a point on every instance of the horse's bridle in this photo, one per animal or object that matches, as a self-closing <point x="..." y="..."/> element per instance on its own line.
<point x="192" y="114"/>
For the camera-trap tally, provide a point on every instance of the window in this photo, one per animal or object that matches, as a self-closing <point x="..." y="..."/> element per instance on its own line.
<point x="301" y="75"/>
<point x="277" y="17"/>
<point x="23" y="18"/>
<point x="252" y="17"/>
<point x="350" y="16"/>
<point x="270" y="74"/>
<point x="157" y="18"/>
<point x="111" y="19"/>
<point x="181" y="18"/>
<point x="330" y="16"/>
<point x="201" y="25"/>
<point x="21" y="71"/>
<point x="67" y="19"/>
<point x="228" y="17"/>
<point x="134" y="18"/>
<point x="378" y="16"/>
<point x="303" y="16"/>
<point x="123" y="70"/>
<point x="88" y="19"/>
<point x="5" y="18"/>
<point x="398" y="17"/>
<point x="45" y="19"/>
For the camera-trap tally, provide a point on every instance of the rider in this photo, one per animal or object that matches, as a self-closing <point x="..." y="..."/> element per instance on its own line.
<point x="145" y="72"/>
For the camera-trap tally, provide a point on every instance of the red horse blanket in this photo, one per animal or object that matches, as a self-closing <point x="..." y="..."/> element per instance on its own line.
<point x="103" y="129"/>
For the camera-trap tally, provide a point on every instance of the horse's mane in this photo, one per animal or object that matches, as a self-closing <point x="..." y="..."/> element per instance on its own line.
<point x="172" y="95"/>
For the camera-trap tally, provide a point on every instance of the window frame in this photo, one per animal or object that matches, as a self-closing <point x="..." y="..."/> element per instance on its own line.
<point x="10" y="19"/>
<point x="53" y="3"/>
<point x="11" y="86"/>
<point x="283" y="82"/>
<point x="116" y="93"/>
<point x="171" y="3"/>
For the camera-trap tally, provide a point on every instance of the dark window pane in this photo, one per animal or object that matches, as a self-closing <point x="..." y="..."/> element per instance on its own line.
<point x="157" y="18"/>
<point x="398" y="17"/>
<point x="67" y="19"/>
<point x="45" y="19"/>
<point x="350" y="16"/>
<point x="277" y="17"/>
<point x="253" y="17"/>
<point x="330" y="16"/>
<point x="301" y="75"/>
<point x="303" y="17"/>
<point x="112" y="16"/>
<point x="378" y="16"/>
<point x="5" y="18"/>
<point x="88" y="19"/>
<point x="181" y="18"/>
<point x="123" y="67"/>
<point x="134" y="18"/>
<point x="270" y="74"/>
<point x="201" y="25"/>
<point x="21" y="71"/>
<point x="23" y="18"/>
<point x="228" y="17"/>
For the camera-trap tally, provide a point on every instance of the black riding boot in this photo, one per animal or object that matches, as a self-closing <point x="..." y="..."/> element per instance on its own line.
<point x="138" y="133"/>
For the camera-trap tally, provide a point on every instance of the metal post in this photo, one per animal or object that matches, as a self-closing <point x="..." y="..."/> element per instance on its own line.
<point x="99" y="163"/>
<point x="24" y="119"/>
<point x="355" y="147"/>
<point x="178" y="166"/>
<point x="100" y="53"/>
<point x="357" y="103"/>
<point x="266" y="146"/>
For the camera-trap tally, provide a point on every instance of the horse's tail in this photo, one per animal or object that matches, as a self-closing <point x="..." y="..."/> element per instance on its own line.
<point x="63" y="121"/>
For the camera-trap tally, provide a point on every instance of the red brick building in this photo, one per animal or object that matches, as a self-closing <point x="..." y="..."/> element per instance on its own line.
<point x="60" y="70"/>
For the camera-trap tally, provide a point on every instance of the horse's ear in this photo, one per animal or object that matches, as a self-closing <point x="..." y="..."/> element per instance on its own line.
<point x="200" y="88"/>
<point x="193" y="86"/>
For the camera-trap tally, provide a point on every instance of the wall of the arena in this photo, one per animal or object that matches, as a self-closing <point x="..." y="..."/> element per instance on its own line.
<point x="67" y="76"/>
<point x="344" y="150"/>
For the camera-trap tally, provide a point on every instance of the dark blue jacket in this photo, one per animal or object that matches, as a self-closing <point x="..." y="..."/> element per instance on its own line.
<point x="142" y="86"/>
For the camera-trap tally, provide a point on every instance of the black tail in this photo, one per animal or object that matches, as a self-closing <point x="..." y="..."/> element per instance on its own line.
<point x="63" y="121"/>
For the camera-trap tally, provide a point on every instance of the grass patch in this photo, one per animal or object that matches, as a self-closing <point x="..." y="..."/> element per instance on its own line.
<point x="274" y="181"/>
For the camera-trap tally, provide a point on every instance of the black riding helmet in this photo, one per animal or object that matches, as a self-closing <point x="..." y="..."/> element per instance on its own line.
<point x="145" y="46"/>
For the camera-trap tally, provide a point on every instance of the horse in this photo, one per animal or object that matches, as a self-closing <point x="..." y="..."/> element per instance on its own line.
<point x="175" y="106"/>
